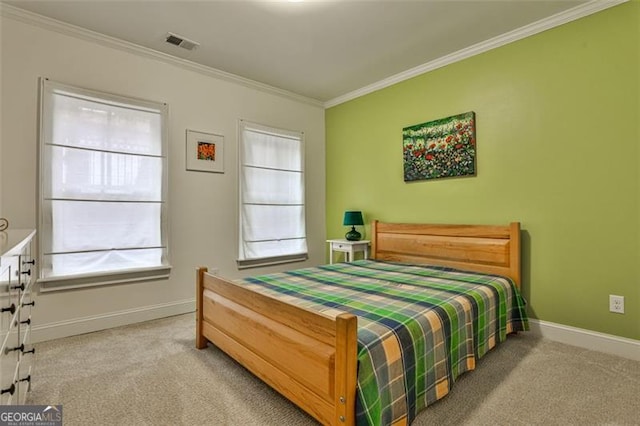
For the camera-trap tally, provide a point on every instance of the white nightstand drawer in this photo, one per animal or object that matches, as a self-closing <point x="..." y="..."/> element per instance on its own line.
<point x="350" y="248"/>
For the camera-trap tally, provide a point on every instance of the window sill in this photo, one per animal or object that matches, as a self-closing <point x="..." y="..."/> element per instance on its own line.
<point x="270" y="261"/>
<point x="71" y="282"/>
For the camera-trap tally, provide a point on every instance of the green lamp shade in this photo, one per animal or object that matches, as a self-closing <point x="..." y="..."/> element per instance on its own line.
<point x="353" y="218"/>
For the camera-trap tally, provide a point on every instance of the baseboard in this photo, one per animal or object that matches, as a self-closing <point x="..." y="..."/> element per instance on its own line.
<point x="592" y="340"/>
<point x="56" y="330"/>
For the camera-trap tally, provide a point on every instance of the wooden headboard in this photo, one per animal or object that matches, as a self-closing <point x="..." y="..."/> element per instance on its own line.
<point x="481" y="248"/>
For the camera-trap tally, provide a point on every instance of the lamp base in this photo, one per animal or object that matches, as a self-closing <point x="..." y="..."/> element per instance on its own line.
<point x="353" y="235"/>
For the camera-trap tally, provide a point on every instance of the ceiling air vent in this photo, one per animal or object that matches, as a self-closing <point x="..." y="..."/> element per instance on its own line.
<point x="180" y="41"/>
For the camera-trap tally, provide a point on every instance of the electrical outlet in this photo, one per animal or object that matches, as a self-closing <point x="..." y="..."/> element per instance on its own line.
<point x="616" y="304"/>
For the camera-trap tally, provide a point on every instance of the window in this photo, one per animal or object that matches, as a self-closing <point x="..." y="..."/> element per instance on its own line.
<point x="103" y="184"/>
<point x="272" y="214"/>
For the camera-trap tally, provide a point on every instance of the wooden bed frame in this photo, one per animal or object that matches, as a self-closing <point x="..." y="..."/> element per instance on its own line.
<point x="310" y="358"/>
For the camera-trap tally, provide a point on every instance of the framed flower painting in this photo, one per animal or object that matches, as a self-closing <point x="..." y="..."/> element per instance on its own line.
<point x="440" y="148"/>
<point x="205" y="152"/>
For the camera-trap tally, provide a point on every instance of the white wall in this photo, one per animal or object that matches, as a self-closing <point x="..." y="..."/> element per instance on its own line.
<point x="1" y="126"/>
<point x="203" y="206"/>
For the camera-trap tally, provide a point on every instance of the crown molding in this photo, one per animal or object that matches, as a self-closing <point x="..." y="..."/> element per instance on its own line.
<point x="556" y="20"/>
<point x="47" y="23"/>
<point x="553" y="21"/>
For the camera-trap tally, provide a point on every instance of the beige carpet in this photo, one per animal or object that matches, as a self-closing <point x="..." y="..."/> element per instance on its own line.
<point x="151" y="374"/>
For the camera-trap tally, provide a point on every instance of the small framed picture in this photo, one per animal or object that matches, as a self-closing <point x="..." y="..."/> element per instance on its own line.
<point x="205" y="152"/>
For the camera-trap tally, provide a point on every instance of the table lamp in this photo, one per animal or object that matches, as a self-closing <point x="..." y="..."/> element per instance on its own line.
<point x="353" y="218"/>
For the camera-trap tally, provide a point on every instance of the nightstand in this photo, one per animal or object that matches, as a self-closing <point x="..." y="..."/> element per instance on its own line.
<point x="349" y="248"/>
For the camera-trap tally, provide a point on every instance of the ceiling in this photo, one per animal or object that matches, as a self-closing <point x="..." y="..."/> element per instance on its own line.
<point x="317" y="49"/>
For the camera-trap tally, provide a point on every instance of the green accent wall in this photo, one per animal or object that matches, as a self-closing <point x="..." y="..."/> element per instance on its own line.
<point x="558" y="135"/>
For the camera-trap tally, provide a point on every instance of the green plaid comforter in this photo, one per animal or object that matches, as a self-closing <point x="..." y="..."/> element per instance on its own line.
<point x="419" y="327"/>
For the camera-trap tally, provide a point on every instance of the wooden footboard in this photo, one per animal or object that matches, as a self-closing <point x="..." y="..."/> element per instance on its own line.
<point x="307" y="357"/>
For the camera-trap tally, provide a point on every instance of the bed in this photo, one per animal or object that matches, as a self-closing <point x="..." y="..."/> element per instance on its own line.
<point x="310" y="350"/>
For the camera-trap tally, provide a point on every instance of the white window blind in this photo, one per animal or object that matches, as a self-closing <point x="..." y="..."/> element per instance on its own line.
<point x="272" y="203"/>
<point x="102" y="184"/>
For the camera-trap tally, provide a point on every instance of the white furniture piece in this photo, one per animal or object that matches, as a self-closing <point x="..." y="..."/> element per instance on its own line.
<point x="17" y="277"/>
<point x="350" y="248"/>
